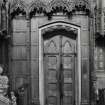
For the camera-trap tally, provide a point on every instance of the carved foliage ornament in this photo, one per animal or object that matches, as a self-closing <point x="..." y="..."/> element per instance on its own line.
<point x="49" y="6"/>
<point x="18" y="6"/>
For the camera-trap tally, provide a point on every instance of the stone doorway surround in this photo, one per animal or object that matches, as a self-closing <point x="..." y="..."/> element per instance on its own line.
<point x="46" y="28"/>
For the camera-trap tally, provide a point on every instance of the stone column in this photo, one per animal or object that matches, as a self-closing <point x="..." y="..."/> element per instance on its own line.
<point x="28" y="43"/>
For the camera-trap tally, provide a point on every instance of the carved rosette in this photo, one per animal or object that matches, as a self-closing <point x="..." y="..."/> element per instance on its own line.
<point x="49" y="6"/>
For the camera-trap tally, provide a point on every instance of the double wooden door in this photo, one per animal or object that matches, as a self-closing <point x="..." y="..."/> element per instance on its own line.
<point x="59" y="70"/>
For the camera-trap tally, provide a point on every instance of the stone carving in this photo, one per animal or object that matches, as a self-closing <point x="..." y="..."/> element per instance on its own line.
<point x="18" y="4"/>
<point x="49" y="6"/>
<point x="3" y="89"/>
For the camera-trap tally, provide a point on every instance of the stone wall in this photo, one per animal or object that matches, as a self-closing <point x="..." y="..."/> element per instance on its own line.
<point x="24" y="56"/>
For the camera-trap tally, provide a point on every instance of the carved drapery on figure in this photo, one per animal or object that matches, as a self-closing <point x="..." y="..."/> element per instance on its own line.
<point x="48" y="7"/>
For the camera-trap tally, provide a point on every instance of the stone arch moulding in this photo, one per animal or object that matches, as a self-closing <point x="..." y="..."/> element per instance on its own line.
<point x="41" y="72"/>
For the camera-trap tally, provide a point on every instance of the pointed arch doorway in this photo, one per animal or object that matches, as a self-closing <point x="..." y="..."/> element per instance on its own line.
<point x="58" y="64"/>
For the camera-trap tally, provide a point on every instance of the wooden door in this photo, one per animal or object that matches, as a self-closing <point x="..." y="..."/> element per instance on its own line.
<point x="59" y="63"/>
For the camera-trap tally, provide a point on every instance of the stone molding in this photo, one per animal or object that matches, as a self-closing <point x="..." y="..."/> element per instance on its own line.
<point x="57" y="27"/>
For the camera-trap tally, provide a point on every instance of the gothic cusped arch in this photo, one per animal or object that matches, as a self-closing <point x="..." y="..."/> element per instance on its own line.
<point x="82" y="5"/>
<point x="48" y="7"/>
<point x="54" y="6"/>
<point x="18" y="6"/>
<point x="62" y="5"/>
<point x="37" y="6"/>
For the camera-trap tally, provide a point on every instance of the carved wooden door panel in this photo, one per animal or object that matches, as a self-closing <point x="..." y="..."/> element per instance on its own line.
<point x="68" y="70"/>
<point x="59" y="70"/>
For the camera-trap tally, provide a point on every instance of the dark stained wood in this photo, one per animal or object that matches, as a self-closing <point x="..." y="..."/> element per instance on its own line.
<point x="59" y="70"/>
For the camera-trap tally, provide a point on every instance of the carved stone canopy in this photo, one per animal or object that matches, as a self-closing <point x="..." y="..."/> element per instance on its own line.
<point x="48" y="6"/>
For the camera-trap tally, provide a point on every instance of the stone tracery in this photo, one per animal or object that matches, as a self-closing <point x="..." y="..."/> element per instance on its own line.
<point x="18" y="4"/>
<point x="49" y="7"/>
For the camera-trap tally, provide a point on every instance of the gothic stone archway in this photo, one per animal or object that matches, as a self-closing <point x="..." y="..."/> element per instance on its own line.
<point x="59" y="64"/>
